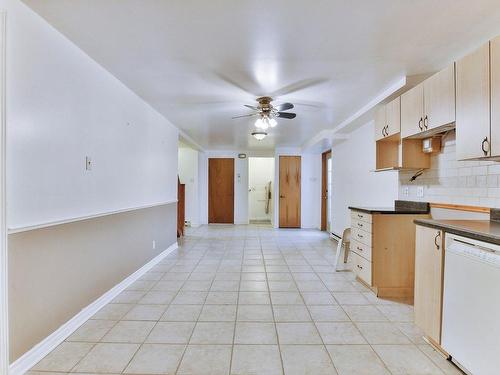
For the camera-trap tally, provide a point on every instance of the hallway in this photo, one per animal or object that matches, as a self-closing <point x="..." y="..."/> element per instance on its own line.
<point x="248" y="300"/>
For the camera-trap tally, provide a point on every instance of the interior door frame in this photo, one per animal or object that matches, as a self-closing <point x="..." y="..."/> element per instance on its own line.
<point x="234" y="188"/>
<point x="280" y="192"/>
<point x="4" y="322"/>
<point x="324" y="188"/>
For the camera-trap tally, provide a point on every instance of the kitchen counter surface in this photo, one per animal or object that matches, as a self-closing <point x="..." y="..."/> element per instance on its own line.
<point x="400" y="208"/>
<point x="481" y="230"/>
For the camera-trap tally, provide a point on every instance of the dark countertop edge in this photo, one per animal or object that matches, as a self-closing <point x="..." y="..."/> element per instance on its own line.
<point x="459" y="231"/>
<point x="388" y="211"/>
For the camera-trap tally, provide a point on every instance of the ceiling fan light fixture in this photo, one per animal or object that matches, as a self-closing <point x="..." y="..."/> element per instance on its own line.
<point x="262" y="123"/>
<point x="259" y="135"/>
<point x="272" y="122"/>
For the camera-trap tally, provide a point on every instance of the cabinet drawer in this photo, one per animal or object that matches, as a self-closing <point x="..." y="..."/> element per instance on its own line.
<point x="362" y="268"/>
<point x="363" y="225"/>
<point x="361" y="249"/>
<point x="362" y="216"/>
<point x="361" y="236"/>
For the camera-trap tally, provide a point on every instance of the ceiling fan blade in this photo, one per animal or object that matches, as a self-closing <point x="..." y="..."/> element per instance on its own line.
<point x="250" y="115"/>
<point x="284" y="107"/>
<point x="297" y="86"/>
<point x="252" y="107"/>
<point x="286" y="115"/>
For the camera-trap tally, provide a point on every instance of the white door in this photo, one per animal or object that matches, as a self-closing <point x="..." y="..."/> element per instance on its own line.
<point x="329" y="193"/>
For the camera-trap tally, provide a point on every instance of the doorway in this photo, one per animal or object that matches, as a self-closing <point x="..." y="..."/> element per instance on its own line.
<point x="326" y="190"/>
<point x="221" y="191"/>
<point x="260" y="190"/>
<point x="290" y="194"/>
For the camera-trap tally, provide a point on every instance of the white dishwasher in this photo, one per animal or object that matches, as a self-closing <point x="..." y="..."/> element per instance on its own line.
<point x="471" y="305"/>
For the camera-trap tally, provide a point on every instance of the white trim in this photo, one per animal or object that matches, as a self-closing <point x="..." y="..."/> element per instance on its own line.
<point x="40" y="350"/>
<point x="4" y="321"/>
<point x="29" y="227"/>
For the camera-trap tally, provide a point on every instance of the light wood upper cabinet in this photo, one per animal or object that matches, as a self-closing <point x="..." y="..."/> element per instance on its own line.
<point x="495" y="96"/>
<point x="473" y="104"/>
<point x="388" y="119"/>
<point x="429" y="257"/>
<point x="430" y="104"/>
<point x="412" y="111"/>
<point x="393" y="117"/>
<point x="380" y="122"/>
<point x="439" y="98"/>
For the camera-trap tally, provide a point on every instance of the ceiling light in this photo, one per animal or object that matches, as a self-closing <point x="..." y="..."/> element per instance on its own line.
<point x="273" y="122"/>
<point x="262" y="123"/>
<point x="259" y="135"/>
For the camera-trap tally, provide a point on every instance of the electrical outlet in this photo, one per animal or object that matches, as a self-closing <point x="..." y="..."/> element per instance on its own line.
<point x="154" y="244"/>
<point x="406" y="191"/>
<point x="88" y="163"/>
<point x="420" y="191"/>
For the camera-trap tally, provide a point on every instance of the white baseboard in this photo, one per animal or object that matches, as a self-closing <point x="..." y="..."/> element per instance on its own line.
<point x="40" y="350"/>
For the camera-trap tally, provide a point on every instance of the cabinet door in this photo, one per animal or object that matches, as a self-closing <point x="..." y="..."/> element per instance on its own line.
<point x="412" y="108"/>
<point x="473" y="104"/>
<point x="495" y="96"/>
<point x="380" y="122"/>
<point x="393" y="116"/>
<point x="429" y="281"/>
<point x="439" y="98"/>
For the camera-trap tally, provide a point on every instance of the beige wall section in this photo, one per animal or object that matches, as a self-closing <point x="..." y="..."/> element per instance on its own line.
<point x="54" y="272"/>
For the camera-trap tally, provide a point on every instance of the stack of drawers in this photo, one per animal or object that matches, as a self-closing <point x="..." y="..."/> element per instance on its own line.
<point x="361" y="245"/>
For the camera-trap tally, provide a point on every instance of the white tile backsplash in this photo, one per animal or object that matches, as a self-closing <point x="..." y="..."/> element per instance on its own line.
<point x="455" y="182"/>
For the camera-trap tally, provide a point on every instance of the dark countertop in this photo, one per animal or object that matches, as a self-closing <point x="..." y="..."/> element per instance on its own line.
<point x="400" y="208"/>
<point x="481" y="230"/>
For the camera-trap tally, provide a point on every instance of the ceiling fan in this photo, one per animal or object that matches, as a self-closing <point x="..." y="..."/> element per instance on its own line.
<point x="269" y="112"/>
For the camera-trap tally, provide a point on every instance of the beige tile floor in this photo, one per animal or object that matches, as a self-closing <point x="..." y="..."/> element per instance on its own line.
<point x="248" y="300"/>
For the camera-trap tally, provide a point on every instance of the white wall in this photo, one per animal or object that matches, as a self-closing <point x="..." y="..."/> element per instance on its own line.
<point x="311" y="191"/>
<point x="353" y="181"/>
<point x="61" y="107"/>
<point x="240" y="185"/>
<point x="260" y="173"/>
<point x="310" y="210"/>
<point x="188" y="174"/>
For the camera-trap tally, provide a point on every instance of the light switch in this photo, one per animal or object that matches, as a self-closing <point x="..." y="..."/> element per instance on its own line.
<point x="88" y="163"/>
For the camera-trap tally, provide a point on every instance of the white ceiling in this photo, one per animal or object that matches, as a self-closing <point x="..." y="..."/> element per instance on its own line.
<point x="199" y="61"/>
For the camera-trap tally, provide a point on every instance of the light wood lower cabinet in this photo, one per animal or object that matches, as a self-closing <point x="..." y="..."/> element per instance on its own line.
<point x="429" y="257"/>
<point x="383" y="252"/>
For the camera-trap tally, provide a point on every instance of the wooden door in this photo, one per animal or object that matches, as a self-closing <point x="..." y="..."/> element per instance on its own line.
<point x="473" y="104"/>
<point x="380" y="122"/>
<point x="412" y="108"/>
<point x="324" y="189"/>
<point x="429" y="256"/>
<point x="289" y="192"/>
<point x="495" y="96"/>
<point x="393" y="117"/>
<point x="439" y="98"/>
<point x="221" y="190"/>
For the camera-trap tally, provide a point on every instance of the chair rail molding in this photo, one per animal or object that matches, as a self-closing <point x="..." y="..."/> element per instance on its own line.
<point x="4" y="323"/>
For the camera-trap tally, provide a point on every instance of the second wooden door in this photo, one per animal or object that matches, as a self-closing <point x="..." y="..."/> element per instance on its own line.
<point x="221" y="190"/>
<point x="289" y="205"/>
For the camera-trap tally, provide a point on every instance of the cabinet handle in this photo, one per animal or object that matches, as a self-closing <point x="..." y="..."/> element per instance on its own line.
<point x="360" y="216"/>
<point x="360" y="236"/>
<point x="360" y="249"/>
<point x="360" y="225"/>
<point x="360" y="267"/>
<point x="420" y="123"/>
<point x="483" y="144"/>
<point x="426" y="122"/>
<point x="282" y="196"/>
<point x="436" y="239"/>
<point x="387" y="130"/>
